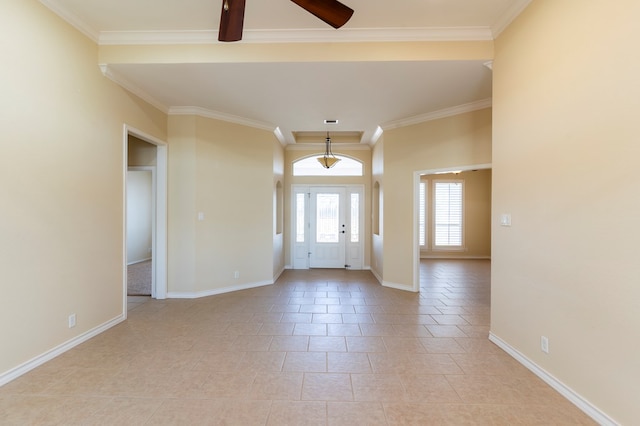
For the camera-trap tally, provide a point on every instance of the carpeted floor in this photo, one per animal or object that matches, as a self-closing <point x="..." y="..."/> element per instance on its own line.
<point x="139" y="279"/>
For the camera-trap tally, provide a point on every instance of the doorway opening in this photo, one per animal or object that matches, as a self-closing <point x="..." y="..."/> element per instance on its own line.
<point x="145" y="214"/>
<point x="449" y="227"/>
<point x="328" y="226"/>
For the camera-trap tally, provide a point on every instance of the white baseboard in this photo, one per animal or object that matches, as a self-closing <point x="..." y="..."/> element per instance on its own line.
<point x="215" y="291"/>
<point x="453" y="256"/>
<point x="591" y="410"/>
<point x="375" y="274"/>
<point x="24" y="368"/>
<point x="398" y="286"/>
<point x="277" y="275"/>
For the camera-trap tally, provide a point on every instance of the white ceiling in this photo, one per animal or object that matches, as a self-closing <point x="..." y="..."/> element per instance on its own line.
<point x="298" y="96"/>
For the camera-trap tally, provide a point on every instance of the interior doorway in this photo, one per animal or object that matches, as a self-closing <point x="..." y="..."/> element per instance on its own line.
<point x="145" y="212"/>
<point x="444" y="229"/>
<point x="141" y="188"/>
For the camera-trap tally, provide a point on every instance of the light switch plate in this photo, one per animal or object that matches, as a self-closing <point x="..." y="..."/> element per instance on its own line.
<point x="505" y="219"/>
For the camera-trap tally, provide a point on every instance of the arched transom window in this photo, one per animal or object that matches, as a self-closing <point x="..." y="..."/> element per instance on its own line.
<point x="310" y="166"/>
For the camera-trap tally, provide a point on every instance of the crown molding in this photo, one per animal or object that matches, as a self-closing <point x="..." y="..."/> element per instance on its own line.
<point x="280" y="136"/>
<point x="73" y="19"/>
<point x="216" y="115"/>
<point x="435" y="115"/>
<point x="508" y="17"/>
<point x="321" y="146"/>
<point x="131" y="87"/>
<point x="294" y="35"/>
<point x="345" y="35"/>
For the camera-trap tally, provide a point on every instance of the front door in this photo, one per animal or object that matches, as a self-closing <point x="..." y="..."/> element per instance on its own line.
<point x="328" y="227"/>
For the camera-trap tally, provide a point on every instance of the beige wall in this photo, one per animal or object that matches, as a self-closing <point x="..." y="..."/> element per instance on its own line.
<point x="61" y="168"/>
<point x="226" y="172"/>
<point x="461" y="140"/>
<point x="141" y="153"/>
<point x="363" y="155"/>
<point x="279" y="214"/>
<point x="476" y="215"/>
<point x="377" y="208"/>
<point x="566" y="102"/>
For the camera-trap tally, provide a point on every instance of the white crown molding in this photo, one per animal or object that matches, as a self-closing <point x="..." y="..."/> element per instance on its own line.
<point x="344" y="35"/>
<point x="216" y="115"/>
<point x="591" y="410"/>
<point x="126" y="84"/>
<point x="435" y="115"/>
<point x="376" y="136"/>
<point x="72" y="19"/>
<point x="321" y="146"/>
<point x="117" y="38"/>
<point x="508" y="17"/>
<point x="280" y="136"/>
<point x="183" y="110"/>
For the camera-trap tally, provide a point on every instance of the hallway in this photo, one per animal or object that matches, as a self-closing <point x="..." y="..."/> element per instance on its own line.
<point x="320" y="347"/>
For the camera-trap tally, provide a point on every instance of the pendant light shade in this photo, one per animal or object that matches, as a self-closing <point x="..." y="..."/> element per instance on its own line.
<point x="328" y="160"/>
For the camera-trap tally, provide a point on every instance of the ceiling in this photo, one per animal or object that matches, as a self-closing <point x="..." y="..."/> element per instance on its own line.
<point x="292" y="97"/>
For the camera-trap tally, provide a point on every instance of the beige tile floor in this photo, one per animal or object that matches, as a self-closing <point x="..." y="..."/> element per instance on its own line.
<point x="320" y="347"/>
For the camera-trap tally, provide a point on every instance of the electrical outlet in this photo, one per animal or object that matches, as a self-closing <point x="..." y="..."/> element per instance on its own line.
<point x="544" y="344"/>
<point x="236" y="275"/>
<point x="72" y="320"/>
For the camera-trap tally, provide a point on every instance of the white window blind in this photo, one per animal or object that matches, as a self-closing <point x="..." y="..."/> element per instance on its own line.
<point x="448" y="213"/>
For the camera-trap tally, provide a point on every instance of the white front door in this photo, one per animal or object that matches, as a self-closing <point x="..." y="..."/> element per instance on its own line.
<point x="328" y="227"/>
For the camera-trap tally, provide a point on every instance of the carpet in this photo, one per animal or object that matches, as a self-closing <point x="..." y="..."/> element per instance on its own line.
<point x="139" y="279"/>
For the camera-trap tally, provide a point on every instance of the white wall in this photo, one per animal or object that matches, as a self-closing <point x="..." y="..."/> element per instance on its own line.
<point x="139" y="210"/>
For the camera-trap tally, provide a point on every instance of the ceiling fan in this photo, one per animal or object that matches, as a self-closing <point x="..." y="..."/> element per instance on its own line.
<point x="332" y="12"/>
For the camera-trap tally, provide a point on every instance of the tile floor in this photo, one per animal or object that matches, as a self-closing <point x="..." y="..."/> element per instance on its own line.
<point x="320" y="347"/>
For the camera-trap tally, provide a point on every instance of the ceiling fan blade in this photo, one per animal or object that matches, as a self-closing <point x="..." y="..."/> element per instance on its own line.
<point x="231" y="20"/>
<point x="332" y="12"/>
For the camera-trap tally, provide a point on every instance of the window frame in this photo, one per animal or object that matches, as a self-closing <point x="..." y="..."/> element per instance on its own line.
<point x="315" y="169"/>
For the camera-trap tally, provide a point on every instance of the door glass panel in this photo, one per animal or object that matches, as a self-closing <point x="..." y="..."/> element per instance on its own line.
<point x="300" y="218"/>
<point x="327" y="218"/>
<point x="355" y="215"/>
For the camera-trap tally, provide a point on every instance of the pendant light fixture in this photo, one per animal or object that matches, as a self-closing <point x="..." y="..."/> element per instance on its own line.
<point x="328" y="160"/>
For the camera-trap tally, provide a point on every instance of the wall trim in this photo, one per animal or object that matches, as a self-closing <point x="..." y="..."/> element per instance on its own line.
<point x="310" y="35"/>
<point x="451" y="256"/>
<point x="378" y="276"/>
<point x="121" y="81"/>
<point x="216" y="291"/>
<point x="437" y="115"/>
<point x="277" y="274"/>
<point x="399" y="286"/>
<point x="217" y="115"/>
<point x="591" y="410"/>
<point x="24" y="368"/>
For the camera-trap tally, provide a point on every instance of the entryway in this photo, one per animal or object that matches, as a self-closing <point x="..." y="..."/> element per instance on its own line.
<point x="327" y="226"/>
<point x="145" y="233"/>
